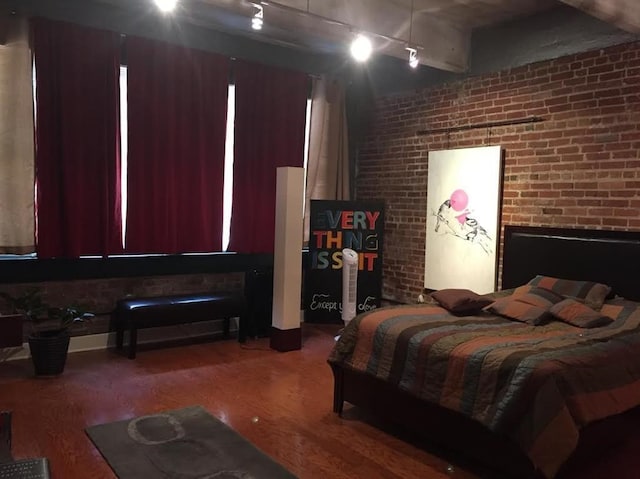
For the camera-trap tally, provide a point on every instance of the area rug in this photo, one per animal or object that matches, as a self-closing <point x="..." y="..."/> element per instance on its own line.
<point x="183" y="444"/>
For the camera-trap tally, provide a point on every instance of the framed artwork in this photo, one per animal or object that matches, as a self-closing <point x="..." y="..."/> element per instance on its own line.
<point x="463" y="207"/>
<point x="335" y="225"/>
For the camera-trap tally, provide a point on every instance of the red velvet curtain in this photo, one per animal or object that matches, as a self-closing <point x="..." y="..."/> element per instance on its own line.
<point x="177" y="100"/>
<point x="77" y="140"/>
<point x="269" y="133"/>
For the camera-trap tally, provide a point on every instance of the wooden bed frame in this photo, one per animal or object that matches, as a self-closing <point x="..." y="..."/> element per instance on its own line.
<point x="609" y="257"/>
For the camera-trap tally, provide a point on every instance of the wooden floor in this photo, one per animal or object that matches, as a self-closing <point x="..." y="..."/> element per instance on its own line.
<point x="281" y="402"/>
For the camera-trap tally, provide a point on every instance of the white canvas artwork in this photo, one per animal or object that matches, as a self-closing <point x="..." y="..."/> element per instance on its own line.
<point x="463" y="204"/>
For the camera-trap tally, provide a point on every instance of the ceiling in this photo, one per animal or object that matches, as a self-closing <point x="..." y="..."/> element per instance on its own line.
<point x="439" y="29"/>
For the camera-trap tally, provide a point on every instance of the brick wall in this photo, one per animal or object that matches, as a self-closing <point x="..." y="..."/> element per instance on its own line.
<point x="100" y="295"/>
<point x="580" y="167"/>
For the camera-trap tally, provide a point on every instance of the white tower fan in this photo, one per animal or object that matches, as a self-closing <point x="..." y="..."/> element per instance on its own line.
<point x="349" y="284"/>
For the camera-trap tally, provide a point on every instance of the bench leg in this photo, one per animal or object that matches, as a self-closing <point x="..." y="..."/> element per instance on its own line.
<point x="242" y="327"/>
<point x="225" y="330"/>
<point x="133" y="342"/>
<point x="119" y="338"/>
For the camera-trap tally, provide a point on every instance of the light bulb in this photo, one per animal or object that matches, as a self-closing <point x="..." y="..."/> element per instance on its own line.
<point x="256" y="23"/>
<point x="413" y="57"/>
<point x="166" y="5"/>
<point x="361" y="48"/>
<point x="258" y="17"/>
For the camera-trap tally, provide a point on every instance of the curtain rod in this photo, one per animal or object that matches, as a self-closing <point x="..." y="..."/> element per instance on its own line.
<point x="491" y="124"/>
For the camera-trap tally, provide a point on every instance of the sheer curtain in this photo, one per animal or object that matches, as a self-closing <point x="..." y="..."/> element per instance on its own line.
<point x="16" y="139"/>
<point x="269" y="133"/>
<point x="328" y="164"/>
<point x="177" y="124"/>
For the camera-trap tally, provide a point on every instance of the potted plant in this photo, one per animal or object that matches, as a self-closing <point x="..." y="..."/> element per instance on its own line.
<point x="49" y="335"/>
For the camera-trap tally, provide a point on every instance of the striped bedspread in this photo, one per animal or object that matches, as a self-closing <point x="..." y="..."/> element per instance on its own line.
<point x="538" y="385"/>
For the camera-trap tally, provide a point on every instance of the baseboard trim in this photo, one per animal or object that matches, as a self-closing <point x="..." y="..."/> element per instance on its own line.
<point x="93" y="342"/>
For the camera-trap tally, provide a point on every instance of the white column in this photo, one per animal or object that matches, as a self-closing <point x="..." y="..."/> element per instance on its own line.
<point x="287" y="260"/>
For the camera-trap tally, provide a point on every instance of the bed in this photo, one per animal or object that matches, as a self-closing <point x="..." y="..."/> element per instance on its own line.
<point x="572" y="397"/>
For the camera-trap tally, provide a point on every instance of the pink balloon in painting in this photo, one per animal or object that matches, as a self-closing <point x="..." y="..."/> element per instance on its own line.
<point x="459" y="200"/>
<point x="462" y="218"/>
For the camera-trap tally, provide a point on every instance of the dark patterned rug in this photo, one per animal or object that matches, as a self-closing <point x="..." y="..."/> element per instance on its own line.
<point x="184" y="444"/>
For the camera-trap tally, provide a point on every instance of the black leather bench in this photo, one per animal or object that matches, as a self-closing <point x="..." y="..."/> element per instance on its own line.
<point x="135" y="313"/>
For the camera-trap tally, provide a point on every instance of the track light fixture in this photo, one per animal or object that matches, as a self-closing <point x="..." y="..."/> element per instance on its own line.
<point x="258" y="17"/>
<point x="413" y="57"/>
<point x="361" y="48"/>
<point x="413" y="52"/>
<point x="166" y="6"/>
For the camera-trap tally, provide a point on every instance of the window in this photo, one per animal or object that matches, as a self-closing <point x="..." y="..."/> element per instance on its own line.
<point x="228" y="156"/>
<point x="307" y="139"/>
<point x="228" y="168"/>
<point x="213" y="222"/>
<point x="123" y="150"/>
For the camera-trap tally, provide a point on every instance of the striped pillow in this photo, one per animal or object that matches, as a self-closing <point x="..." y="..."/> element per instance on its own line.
<point x="541" y="297"/>
<point x="619" y="308"/>
<point x="591" y="293"/>
<point x="531" y="307"/>
<point x="513" y="309"/>
<point x="575" y="313"/>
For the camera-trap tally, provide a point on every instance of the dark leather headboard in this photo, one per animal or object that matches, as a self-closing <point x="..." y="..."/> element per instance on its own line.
<point x="609" y="257"/>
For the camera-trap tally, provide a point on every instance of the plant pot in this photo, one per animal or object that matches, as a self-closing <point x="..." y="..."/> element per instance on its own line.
<point x="49" y="352"/>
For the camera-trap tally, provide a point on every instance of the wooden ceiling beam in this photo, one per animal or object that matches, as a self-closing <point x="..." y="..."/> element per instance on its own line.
<point x="624" y="14"/>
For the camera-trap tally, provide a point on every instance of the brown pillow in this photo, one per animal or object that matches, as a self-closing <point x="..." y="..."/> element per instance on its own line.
<point x="588" y="292"/>
<point x="575" y="313"/>
<point x="461" y="301"/>
<point x="531" y="305"/>
<point x="512" y="308"/>
<point x="543" y="298"/>
<point x="618" y="308"/>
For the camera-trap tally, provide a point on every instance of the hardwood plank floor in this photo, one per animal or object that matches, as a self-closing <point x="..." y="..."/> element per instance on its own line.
<point x="281" y="402"/>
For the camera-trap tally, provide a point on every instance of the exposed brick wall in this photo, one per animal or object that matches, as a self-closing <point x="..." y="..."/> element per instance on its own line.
<point x="100" y="295"/>
<point x="580" y="167"/>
